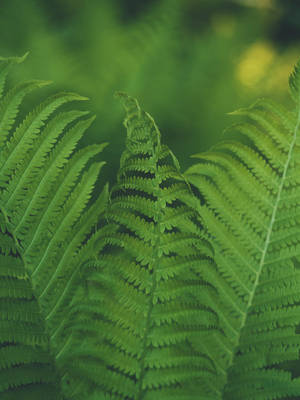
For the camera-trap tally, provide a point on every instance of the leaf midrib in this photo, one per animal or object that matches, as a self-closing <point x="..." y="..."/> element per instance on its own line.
<point x="155" y="263"/>
<point x="269" y="232"/>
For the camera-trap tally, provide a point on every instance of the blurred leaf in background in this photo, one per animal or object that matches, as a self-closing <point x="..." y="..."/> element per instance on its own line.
<point x="189" y="62"/>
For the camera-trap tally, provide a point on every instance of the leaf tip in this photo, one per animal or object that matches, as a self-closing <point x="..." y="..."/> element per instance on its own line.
<point x="294" y="82"/>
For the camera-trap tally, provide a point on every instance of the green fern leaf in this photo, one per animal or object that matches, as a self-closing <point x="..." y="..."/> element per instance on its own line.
<point x="249" y="198"/>
<point x="44" y="196"/>
<point x="142" y="295"/>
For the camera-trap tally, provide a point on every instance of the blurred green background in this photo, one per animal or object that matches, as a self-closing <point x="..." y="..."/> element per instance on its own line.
<point x="189" y="62"/>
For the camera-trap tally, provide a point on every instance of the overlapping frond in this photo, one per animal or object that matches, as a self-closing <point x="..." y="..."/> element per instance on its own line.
<point x="27" y="368"/>
<point x="248" y="191"/>
<point x="144" y="292"/>
<point x="45" y="187"/>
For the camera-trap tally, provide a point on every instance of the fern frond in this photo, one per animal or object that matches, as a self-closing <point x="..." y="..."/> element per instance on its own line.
<point x="249" y="197"/>
<point x="45" y="189"/>
<point x="142" y="293"/>
<point x="26" y="365"/>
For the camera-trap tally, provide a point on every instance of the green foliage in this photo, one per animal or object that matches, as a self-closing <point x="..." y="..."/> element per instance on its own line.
<point x="249" y="201"/>
<point x="170" y="286"/>
<point x="26" y="366"/>
<point x="45" y="225"/>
